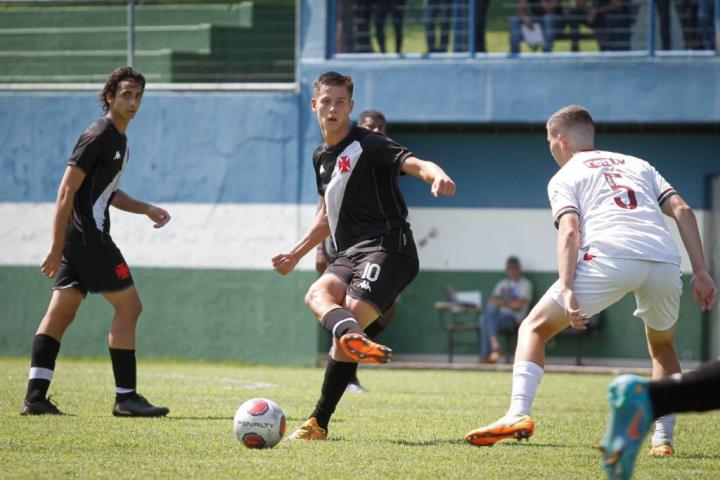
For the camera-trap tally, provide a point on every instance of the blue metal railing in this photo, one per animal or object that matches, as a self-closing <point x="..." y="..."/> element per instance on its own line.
<point x="471" y="7"/>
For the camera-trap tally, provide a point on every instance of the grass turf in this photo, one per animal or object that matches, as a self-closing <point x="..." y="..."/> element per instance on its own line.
<point x="409" y="425"/>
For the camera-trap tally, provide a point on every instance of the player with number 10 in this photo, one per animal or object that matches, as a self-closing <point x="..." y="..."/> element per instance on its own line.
<point x="362" y="207"/>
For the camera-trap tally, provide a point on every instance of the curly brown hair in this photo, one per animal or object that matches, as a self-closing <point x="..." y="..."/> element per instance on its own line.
<point x="122" y="73"/>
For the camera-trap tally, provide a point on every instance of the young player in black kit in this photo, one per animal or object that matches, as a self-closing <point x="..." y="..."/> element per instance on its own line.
<point x="83" y="257"/>
<point x="374" y="121"/>
<point x="363" y="209"/>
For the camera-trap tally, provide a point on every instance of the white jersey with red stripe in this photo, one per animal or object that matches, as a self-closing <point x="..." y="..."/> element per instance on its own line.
<point x="617" y="199"/>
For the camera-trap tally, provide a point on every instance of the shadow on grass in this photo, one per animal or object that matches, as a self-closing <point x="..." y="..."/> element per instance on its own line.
<point x="200" y="418"/>
<point x="429" y="443"/>
<point x="460" y="441"/>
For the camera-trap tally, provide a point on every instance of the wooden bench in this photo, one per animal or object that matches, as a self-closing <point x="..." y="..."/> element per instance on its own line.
<point x="458" y="316"/>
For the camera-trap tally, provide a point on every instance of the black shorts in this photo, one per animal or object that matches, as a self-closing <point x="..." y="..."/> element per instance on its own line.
<point x="97" y="268"/>
<point x="375" y="277"/>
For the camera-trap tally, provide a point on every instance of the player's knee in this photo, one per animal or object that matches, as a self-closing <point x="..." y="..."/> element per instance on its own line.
<point x="312" y="297"/>
<point x="129" y="310"/>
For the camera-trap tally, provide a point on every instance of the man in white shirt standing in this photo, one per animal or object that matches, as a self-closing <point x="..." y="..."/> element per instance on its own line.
<point x="612" y="240"/>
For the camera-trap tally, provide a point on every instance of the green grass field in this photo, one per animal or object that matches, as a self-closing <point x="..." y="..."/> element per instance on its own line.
<point x="409" y="425"/>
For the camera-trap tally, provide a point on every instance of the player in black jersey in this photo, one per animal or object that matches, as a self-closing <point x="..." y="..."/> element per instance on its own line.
<point x="374" y="121"/>
<point x="363" y="209"/>
<point x="83" y="257"/>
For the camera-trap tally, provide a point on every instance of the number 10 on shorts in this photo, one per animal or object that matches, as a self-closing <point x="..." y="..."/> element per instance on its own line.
<point x="371" y="272"/>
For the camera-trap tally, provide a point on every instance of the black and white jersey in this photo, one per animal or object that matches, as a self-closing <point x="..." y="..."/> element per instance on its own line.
<point x="101" y="152"/>
<point x="358" y="178"/>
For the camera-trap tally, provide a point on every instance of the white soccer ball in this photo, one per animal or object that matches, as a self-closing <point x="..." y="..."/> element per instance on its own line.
<point x="259" y="423"/>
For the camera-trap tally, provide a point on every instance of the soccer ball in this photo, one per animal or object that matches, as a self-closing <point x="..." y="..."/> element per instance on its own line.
<point x="259" y="423"/>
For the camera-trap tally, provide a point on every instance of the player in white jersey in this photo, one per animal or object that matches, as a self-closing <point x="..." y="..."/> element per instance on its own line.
<point x="612" y="240"/>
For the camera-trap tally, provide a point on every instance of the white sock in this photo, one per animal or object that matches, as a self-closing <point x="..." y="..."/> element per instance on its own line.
<point x="664" y="430"/>
<point x="526" y="378"/>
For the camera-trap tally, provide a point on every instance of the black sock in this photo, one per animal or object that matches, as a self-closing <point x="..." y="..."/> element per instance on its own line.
<point x="374" y="329"/>
<point x="42" y="365"/>
<point x="339" y="322"/>
<point x="695" y="391"/>
<point x="125" y="371"/>
<point x="337" y="377"/>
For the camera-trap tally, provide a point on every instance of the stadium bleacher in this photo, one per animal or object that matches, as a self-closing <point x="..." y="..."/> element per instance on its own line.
<point x="240" y="42"/>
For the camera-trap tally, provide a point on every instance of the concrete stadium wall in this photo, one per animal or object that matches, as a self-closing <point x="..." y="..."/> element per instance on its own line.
<point x="226" y="166"/>
<point x="234" y="170"/>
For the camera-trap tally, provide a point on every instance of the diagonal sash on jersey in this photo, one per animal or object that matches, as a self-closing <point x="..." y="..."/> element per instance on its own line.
<point x="335" y="191"/>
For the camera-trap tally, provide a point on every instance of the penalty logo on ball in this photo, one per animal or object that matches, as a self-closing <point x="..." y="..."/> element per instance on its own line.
<point x="259" y="423"/>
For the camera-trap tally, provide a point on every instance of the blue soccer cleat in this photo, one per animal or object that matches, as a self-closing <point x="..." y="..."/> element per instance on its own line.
<point x="630" y="418"/>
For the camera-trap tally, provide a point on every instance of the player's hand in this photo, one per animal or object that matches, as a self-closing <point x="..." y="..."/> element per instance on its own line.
<point x="321" y="261"/>
<point x="51" y="264"/>
<point x="704" y="290"/>
<point x="284" y="263"/>
<point x="442" y="186"/>
<point x="577" y="318"/>
<point x="158" y="215"/>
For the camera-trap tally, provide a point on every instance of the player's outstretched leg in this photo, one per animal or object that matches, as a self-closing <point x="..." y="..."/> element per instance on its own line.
<point x="508" y="427"/>
<point x="361" y="349"/>
<point x="630" y="418"/>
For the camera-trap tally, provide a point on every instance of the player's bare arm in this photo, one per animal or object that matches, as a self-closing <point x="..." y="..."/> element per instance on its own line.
<point x="568" y="246"/>
<point x="284" y="263"/>
<point x="71" y="181"/>
<point x="431" y="173"/>
<point x="703" y="287"/>
<point x="123" y="201"/>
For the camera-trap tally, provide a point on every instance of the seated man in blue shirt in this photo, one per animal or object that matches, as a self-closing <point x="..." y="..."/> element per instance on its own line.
<point x="506" y="308"/>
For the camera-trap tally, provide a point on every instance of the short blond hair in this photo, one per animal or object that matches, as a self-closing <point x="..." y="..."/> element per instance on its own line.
<point x="575" y="122"/>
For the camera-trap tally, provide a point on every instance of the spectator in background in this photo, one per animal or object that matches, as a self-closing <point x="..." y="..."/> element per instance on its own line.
<point x="436" y="14"/>
<point x="396" y="9"/>
<point x="706" y="24"/>
<point x="506" y="308"/>
<point x="344" y="33"/>
<point x="461" y="25"/>
<point x="362" y="11"/>
<point x="539" y="19"/>
<point x="688" y="12"/>
<point x="610" y="21"/>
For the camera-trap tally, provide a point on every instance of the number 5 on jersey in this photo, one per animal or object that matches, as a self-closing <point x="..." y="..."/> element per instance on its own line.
<point x="632" y="199"/>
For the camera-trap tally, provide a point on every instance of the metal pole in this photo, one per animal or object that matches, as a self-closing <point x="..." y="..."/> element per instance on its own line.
<point x="130" y="31"/>
<point x="472" y="44"/>
<point x="717" y="26"/>
<point x="651" y="28"/>
<point x="332" y="28"/>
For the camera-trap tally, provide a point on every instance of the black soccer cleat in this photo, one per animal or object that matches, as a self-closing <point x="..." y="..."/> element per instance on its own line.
<point x="138" y="406"/>
<point x="40" y="407"/>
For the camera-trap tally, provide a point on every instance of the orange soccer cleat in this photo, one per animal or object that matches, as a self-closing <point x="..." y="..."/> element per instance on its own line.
<point x="518" y="427"/>
<point x="309" y="430"/>
<point x="361" y="349"/>
<point x="663" y="450"/>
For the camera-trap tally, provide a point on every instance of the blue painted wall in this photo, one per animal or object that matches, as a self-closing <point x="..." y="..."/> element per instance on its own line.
<point x="184" y="147"/>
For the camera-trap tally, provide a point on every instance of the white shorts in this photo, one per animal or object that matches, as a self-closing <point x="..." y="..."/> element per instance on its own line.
<point x="601" y="282"/>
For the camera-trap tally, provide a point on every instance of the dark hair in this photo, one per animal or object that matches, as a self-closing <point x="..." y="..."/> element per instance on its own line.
<point x="374" y="114"/>
<point x="513" y="262"/>
<point x="122" y="73"/>
<point x="334" y="79"/>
